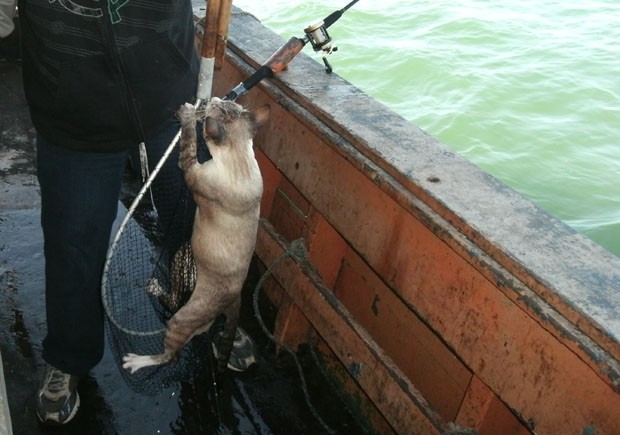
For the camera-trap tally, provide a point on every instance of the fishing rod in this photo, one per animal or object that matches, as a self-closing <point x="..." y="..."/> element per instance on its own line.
<point x="316" y="34"/>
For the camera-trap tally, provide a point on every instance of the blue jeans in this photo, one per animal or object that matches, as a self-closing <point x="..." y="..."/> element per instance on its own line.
<point x="79" y="202"/>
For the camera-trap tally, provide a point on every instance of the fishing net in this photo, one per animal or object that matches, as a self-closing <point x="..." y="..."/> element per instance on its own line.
<point x="156" y="227"/>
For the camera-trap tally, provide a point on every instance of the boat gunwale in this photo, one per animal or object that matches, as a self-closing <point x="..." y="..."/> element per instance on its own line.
<point x="547" y="237"/>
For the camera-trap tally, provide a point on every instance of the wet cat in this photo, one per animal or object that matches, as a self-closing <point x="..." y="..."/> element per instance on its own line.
<point x="227" y="190"/>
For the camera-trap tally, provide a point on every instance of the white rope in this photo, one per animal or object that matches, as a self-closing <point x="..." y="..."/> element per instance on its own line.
<point x="119" y="232"/>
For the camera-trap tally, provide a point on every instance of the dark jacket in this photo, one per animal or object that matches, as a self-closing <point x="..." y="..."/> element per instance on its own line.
<point x="106" y="75"/>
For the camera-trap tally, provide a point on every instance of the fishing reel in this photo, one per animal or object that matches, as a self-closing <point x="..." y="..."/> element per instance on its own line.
<point x="318" y="36"/>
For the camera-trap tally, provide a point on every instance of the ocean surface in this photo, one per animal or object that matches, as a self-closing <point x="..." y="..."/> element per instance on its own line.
<point x="527" y="90"/>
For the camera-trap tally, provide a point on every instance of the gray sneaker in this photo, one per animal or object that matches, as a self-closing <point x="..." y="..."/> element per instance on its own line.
<point x="58" y="399"/>
<point x="242" y="353"/>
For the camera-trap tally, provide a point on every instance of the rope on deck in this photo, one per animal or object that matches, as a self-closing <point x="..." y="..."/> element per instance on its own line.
<point x="296" y="250"/>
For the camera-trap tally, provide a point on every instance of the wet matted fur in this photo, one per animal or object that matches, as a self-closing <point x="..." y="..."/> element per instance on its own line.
<point x="227" y="190"/>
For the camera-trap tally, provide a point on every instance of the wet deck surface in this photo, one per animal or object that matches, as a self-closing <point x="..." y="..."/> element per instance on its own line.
<point x="266" y="399"/>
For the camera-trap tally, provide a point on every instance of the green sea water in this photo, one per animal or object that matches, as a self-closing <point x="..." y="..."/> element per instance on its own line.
<point x="527" y="90"/>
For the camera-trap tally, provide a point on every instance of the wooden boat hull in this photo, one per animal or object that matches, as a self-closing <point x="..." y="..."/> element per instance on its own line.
<point x="440" y="298"/>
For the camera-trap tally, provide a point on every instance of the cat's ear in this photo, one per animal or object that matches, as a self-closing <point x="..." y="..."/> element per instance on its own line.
<point x="261" y="115"/>
<point x="212" y="129"/>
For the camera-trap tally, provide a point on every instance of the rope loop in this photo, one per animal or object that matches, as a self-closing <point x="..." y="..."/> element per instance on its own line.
<point x="297" y="251"/>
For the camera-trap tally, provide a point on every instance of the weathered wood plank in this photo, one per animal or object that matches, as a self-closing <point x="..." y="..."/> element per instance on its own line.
<point x="397" y="399"/>
<point x="419" y="353"/>
<point x="502" y="339"/>
<point x="483" y="411"/>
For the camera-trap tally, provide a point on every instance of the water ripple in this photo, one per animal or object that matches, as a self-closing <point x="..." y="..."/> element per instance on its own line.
<point x="527" y="90"/>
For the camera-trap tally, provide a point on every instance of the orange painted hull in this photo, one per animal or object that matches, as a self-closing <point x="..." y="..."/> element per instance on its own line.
<point x="439" y="296"/>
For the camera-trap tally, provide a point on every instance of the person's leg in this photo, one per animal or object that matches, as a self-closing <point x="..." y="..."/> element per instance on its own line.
<point x="79" y="197"/>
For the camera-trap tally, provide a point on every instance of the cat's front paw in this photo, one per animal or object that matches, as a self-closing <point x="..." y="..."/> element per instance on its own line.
<point x="187" y="114"/>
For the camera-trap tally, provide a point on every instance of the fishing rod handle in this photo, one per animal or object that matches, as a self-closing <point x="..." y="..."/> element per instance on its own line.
<point x="274" y="65"/>
<point x="284" y="55"/>
<point x="262" y="73"/>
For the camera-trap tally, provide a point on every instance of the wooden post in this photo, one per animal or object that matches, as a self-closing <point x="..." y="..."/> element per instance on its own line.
<point x="222" y="32"/>
<point x="210" y="34"/>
